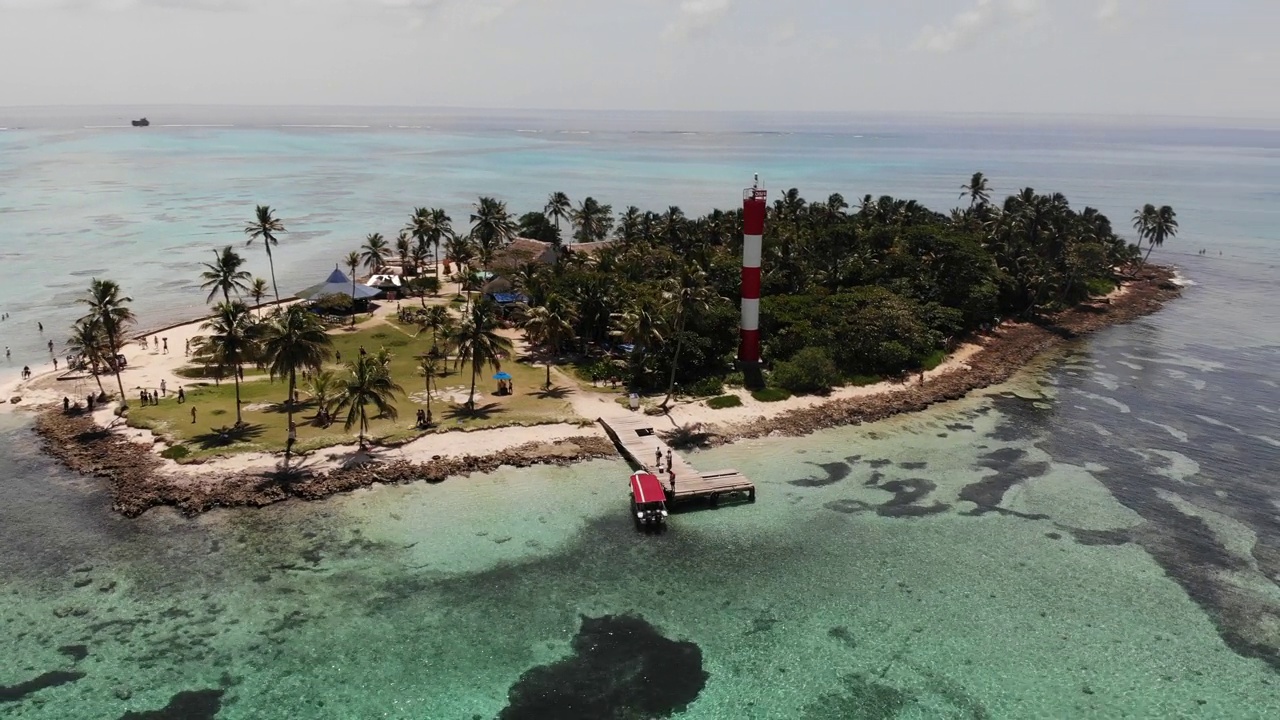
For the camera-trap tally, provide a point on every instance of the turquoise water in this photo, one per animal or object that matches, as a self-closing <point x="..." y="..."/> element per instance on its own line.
<point x="1098" y="538"/>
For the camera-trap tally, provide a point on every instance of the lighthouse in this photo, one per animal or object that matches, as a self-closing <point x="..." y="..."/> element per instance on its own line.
<point x="753" y="211"/>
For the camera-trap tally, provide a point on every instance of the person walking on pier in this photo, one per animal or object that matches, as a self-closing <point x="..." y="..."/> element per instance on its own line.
<point x="657" y="457"/>
<point x="669" y="461"/>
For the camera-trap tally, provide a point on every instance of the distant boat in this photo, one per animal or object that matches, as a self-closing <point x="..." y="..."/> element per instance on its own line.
<point x="140" y="123"/>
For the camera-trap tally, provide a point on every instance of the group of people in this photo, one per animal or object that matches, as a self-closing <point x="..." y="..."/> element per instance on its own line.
<point x="152" y="397"/>
<point x="161" y="345"/>
<point x="505" y="387"/>
<point x="657" y="459"/>
<point x="422" y="419"/>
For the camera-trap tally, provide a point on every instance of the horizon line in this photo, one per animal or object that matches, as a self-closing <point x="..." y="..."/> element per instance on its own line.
<point x="1134" y="117"/>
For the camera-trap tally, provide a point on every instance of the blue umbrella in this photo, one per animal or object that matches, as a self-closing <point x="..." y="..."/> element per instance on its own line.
<point x="504" y="375"/>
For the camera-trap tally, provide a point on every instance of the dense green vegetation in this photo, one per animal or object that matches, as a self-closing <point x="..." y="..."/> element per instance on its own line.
<point x="879" y="288"/>
<point x="850" y="295"/>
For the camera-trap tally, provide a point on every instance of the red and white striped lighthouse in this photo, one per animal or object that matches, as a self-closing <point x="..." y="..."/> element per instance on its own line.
<point x="753" y="210"/>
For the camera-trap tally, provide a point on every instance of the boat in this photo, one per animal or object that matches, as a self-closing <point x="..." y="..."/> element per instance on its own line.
<point x="648" y="501"/>
<point x="140" y="123"/>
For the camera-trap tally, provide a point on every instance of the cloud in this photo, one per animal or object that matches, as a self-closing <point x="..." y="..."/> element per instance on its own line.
<point x="986" y="16"/>
<point x="695" y="16"/>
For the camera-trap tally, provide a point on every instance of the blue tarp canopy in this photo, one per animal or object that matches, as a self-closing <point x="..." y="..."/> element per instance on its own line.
<point x="338" y="284"/>
<point x="508" y="298"/>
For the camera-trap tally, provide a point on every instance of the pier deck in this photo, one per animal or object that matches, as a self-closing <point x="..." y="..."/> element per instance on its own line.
<point x="640" y="444"/>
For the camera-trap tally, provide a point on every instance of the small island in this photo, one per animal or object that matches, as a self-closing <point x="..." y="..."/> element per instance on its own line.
<point x="528" y="329"/>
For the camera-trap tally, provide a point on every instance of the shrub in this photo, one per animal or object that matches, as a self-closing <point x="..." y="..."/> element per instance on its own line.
<point x="1099" y="286"/>
<point x="724" y="401"/>
<point x="770" y="394"/>
<point x="861" y="380"/>
<point x="177" y="452"/>
<point x="704" y="387"/>
<point x="933" y="359"/>
<point x="811" y="371"/>
<point x="334" y="304"/>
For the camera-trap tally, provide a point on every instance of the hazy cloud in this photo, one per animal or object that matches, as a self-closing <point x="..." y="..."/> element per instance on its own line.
<point x="984" y="17"/>
<point x="694" y="16"/>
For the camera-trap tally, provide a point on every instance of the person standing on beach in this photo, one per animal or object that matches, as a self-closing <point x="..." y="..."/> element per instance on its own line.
<point x="182" y="396"/>
<point x="293" y="437"/>
<point x="669" y="461"/>
<point x="55" y="363"/>
<point x="50" y="347"/>
<point x="165" y="345"/>
<point x="6" y="352"/>
<point x="186" y="347"/>
<point x="163" y="390"/>
<point x="142" y="396"/>
<point x="193" y="414"/>
<point x="657" y="456"/>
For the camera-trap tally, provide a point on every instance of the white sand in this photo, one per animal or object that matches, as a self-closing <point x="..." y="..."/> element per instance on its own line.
<point x="149" y="365"/>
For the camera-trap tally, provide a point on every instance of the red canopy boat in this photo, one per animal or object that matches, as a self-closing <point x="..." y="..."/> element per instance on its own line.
<point x="648" y="499"/>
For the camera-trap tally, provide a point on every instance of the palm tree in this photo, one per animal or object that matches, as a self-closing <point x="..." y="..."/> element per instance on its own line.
<point x="1155" y="226"/>
<point x="978" y="191"/>
<point x="594" y="220"/>
<point x="491" y="228"/>
<point x="403" y="250"/>
<point x="374" y="252"/>
<point x="257" y="291"/>
<point x="441" y="226"/>
<point x="110" y="310"/>
<point x="89" y="342"/>
<point x="691" y="294"/>
<point x="370" y="383"/>
<point x="429" y="368"/>
<point x="478" y="342"/>
<point x="266" y="226"/>
<point x="558" y="208"/>
<point x="438" y="320"/>
<point x="294" y="340"/>
<point x="323" y="386"/>
<point x="224" y="274"/>
<point x="352" y="261"/>
<point x="550" y="325"/>
<point x="233" y="337"/>
<point x="460" y="250"/>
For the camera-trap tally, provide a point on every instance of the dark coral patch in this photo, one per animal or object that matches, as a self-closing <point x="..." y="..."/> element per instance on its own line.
<point x="1011" y="467"/>
<point x="14" y="693"/>
<point x="914" y="465"/>
<point x="833" y="473"/>
<point x="621" y="668"/>
<point x="1100" y="537"/>
<point x="905" y="494"/>
<point x="75" y="652"/>
<point x="186" y="705"/>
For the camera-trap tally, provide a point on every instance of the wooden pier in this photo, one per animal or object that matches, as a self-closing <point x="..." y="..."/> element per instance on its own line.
<point x="641" y="445"/>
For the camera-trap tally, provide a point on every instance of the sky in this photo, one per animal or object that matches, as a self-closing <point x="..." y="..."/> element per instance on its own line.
<point x="1207" y="58"/>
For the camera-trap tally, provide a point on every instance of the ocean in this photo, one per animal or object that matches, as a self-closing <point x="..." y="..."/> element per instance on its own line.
<point x="1099" y="537"/>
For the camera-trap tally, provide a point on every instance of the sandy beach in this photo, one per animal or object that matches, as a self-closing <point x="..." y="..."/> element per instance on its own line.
<point x="143" y="479"/>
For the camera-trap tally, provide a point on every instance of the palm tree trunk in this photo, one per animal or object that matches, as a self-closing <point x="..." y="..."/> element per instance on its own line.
<point x="293" y="384"/>
<point x="93" y="368"/>
<point x="364" y="424"/>
<point x="471" y="400"/>
<point x="271" y="262"/>
<point x="428" y="400"/>
<point x="235" y="377"/>
<point x="113" y="343"/>
<point x="675" y="360"/>
<point x="548" y="384"/>
<point x="1150" y="246"/>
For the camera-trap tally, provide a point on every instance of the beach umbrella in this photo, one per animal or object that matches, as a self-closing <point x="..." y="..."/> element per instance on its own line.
<point x="504" y="375"/>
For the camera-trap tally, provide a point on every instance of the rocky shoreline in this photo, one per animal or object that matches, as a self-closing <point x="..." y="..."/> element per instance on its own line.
<point x="138" y="481"/>
<point x="1001" y="357"/>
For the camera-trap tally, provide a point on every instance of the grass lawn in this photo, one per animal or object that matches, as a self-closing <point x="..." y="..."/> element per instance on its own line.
<point x="267" y="423"/>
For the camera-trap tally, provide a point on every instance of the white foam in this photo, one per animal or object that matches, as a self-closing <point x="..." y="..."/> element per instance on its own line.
<point x="356" y="127"/>
<point x="1104" y="399"/>
<point x="1175" y="432"/>
<point x="1182" y="280"/>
